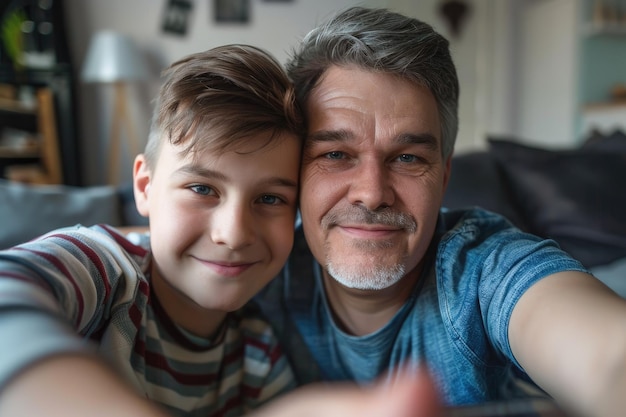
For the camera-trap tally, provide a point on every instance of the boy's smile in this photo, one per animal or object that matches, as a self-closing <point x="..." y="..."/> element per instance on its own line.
<point x="225" y="268"/>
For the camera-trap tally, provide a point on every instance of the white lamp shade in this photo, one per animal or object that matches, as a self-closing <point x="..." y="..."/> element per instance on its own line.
<point x="113" y="57"/>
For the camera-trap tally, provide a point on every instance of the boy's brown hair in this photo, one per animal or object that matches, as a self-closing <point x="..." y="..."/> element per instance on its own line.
<point x="215" y="99"/>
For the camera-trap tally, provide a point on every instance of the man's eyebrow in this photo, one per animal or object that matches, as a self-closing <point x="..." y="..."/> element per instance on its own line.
<point x="406" y="138"/>
<point x="419" y="139"/>
<point x="210" y="174"/>
<point x="330" y="136"/>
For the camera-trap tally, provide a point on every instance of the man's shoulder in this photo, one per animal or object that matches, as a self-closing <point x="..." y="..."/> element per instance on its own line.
<point x="469" y="228"/>
<point x="474" y="220"/>
<point x="478" y="244"/>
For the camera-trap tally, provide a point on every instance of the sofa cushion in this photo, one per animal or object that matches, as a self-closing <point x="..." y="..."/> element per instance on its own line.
<point x="476" y="180"/>
<point x="27" y="211"/>
<point x="575" y="197"/>
<point x="613" y="142"/>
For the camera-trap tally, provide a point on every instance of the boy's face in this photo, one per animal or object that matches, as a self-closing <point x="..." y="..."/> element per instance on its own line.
<point x="221" y="225"/>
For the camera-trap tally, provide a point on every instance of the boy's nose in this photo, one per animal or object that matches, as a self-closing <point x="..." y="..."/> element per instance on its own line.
<point x="232" y="226"/>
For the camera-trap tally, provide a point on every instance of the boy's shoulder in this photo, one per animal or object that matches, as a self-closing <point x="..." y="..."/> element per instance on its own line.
<point x="98" y="241"/>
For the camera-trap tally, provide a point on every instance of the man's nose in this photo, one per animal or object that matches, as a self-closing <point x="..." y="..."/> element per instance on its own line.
<point x="232" y="226"/>
<point x="371" y="185"/>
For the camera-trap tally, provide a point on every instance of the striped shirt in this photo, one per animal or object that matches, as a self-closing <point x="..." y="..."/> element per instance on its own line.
<point x="78" y="285"/>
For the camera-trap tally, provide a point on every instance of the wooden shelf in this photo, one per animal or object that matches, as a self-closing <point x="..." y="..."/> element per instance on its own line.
<point x="16" y="107"/>
<point x="606" y="29"/>
<point x="10" y="152"/>
<point x="18" y="116"/>
<point x="604" y="106"/>
<point x="59" y="79"/>
<point x="44" y="149"/>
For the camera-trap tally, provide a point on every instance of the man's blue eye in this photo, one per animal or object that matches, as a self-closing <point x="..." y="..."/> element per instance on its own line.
<point x="334" y="155"/>
<point x="405" y="157"/>
<point x="201" y="189"/>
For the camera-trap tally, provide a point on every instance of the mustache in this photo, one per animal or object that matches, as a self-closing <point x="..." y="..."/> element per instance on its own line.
<point x="359" y="214"/>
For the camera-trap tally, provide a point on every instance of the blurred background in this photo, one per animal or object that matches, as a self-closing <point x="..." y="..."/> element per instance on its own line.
<point x="548" y="73"/>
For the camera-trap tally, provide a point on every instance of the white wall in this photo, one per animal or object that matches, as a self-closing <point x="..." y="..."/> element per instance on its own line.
<point x="515" y="61"/>
<point x="547" y="76"/>
<point x="276" y="26"/>
<point x="470" y="52"/>
<point x="526" y="72"/>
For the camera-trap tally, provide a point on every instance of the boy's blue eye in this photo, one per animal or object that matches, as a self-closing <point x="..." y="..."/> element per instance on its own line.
<point x="270" y="199"/>
<point x="201" y="189"/>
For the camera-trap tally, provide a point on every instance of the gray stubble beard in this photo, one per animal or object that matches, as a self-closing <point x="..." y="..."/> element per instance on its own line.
<point x="379" y="276"/>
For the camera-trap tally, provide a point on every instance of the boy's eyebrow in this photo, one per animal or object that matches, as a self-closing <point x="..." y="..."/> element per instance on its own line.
<point x="280" y="181"/>
<point x="199" y="171"/>
<point x="342" y="135"/>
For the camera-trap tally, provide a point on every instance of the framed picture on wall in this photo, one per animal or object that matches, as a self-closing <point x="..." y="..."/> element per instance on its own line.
<point x="176" y="16"/>
<point x="232" y="11"/>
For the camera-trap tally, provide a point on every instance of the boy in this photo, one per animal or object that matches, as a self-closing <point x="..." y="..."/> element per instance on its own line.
<point x="218" y="180"/>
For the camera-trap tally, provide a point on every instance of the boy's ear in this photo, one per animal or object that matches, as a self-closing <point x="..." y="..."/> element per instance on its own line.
<point x="141" y="184"/>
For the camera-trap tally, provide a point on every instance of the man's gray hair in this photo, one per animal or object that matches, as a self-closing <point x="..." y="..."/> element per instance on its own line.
<point x="385" y="41"/>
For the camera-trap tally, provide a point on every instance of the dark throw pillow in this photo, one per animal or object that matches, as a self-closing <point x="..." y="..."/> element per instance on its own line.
<point x="576" y="197"/>
<point x="475" y="180"/>
<point x="614" y="142"/>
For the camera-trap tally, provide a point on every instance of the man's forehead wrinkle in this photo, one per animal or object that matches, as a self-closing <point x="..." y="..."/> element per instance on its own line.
<point x="334" y="101"/>
<point x="342" y="135"/>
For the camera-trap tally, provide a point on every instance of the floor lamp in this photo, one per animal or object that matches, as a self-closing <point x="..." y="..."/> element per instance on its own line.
<point x="113" y="58"/>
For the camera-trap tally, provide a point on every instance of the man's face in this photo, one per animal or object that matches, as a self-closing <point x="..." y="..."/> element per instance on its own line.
<point x="372" y="178"/>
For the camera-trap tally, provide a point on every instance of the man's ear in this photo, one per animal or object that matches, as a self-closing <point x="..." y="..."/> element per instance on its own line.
<point x="141" y="184"/>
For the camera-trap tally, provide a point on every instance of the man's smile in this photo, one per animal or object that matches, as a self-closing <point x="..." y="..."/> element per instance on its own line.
<point x="369" y="231"/>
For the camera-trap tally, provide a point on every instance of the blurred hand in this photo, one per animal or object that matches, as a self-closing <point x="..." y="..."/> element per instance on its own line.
<point x="411" y="394"/>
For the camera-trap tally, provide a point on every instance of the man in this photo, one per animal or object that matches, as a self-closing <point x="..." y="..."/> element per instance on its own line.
<point x="386" y="278"/>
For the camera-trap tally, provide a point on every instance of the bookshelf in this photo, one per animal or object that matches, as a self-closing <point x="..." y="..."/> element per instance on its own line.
<point x="39" y="64"/>
<point x="29" y="151"/>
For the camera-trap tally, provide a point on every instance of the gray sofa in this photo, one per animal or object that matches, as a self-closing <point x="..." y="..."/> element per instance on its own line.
<point x="27" y="211"/>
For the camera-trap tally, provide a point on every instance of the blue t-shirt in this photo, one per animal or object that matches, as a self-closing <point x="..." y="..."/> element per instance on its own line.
<point x="455" y="320"/>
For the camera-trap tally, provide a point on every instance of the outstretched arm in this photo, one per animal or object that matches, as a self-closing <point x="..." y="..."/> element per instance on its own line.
<point x="568" y="331"/>
<point x="50" y="290"/>
<point x="72" y="386"/>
